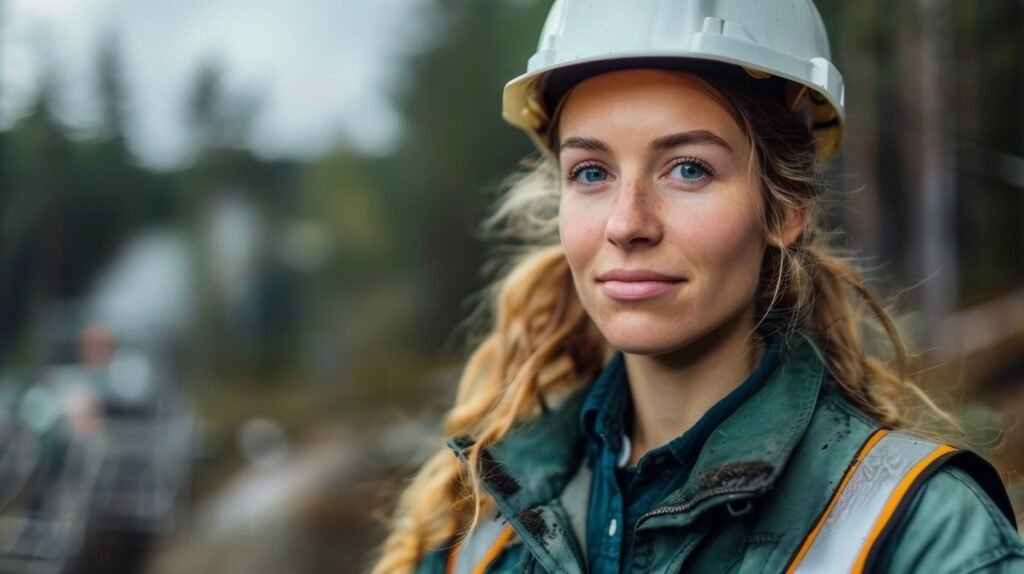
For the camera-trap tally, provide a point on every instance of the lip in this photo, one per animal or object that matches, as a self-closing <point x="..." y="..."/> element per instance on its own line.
<point x="636" y="284"/>
<point x="635" y="275"/>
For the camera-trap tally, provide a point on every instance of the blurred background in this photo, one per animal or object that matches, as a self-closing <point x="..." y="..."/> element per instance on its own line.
<point x="238" y="238"/>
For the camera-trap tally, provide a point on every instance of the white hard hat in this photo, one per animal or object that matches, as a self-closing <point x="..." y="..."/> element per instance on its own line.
<point x="781" y="41"/>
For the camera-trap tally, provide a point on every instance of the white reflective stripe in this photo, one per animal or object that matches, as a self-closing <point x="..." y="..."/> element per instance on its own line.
<point x="862" y="502"/>
<point x="475" y="548"/>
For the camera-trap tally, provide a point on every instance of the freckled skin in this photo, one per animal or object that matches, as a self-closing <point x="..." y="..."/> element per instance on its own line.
<point x="644" y="216"/>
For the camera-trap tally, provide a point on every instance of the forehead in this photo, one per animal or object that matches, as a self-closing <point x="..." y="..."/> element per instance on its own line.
<point x="646" y="102"/>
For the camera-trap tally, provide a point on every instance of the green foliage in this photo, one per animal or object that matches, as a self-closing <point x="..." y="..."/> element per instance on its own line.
<point x="340" y="195"/>
<point x="219" y="119"/>
<point x="456" y="148"/>
<point x="66" y="207"/>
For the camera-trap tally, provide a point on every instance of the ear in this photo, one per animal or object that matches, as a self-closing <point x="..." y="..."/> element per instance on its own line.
<point x="793" y="223"/>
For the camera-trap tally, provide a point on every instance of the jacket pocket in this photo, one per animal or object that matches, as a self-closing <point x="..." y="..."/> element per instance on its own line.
<point x="756" y="557"/>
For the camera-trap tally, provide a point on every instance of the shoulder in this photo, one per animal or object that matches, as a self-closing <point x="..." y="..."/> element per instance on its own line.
<point x="952" y="525"/>
<point x="840" y="424"/>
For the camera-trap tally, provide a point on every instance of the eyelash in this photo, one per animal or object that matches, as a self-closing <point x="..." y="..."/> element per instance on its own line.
<point x="577" y="169"/>
<point x="694" y="160"/>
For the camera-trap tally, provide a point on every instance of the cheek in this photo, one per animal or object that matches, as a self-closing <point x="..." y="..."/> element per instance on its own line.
<point x="580" y="234"/>
<point x="725" y="242"/>
<point x="728" y="245"/>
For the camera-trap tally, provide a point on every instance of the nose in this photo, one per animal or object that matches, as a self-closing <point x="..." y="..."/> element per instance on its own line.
<point x="634" y="220"/>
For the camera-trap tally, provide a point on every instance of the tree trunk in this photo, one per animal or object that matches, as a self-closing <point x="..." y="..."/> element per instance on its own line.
<point x="935" y="244"/>
<point x="861" y="153"/>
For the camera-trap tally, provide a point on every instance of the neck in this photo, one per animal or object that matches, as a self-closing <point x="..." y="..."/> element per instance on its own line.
<point x="671" y="392"/>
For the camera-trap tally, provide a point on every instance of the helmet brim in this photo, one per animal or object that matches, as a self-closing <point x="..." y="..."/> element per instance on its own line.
<point x="529" y="99"/>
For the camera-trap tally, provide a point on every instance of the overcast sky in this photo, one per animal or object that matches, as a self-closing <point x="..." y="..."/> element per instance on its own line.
<point x="321" y="68"/>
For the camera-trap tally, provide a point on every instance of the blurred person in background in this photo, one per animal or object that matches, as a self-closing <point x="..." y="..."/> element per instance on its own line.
<point x="84" y="403"/>
<point x="676" y="377"/>
<point x="96" y="346"/>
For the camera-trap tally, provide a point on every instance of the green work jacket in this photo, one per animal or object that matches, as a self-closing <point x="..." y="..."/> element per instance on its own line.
<point x="758" y="487"/>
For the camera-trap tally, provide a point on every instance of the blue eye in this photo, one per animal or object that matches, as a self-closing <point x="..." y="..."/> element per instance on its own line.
<point x="689" y="171"/>
<point x="589" y="174"/>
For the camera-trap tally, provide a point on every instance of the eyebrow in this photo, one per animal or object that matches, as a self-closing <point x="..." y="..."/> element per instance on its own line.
<point x="692" y="137"/>
<point x="664" y="142"/>
<point x="589" y="144"/>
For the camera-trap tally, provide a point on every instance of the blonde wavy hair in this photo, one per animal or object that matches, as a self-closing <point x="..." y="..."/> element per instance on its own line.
<point x="541" y="343"/>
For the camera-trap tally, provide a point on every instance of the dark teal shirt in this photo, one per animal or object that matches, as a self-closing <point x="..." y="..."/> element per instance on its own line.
<point x="620" y="495"/>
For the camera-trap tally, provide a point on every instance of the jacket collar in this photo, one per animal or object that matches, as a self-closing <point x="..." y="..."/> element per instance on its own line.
<point x="533" y="462"/>
<point x="525" y="473"/>
<point x="747" y="453"/>
<point x="743" y="457"/>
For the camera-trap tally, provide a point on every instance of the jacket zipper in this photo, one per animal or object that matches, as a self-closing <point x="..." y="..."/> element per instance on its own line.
<point x="691" y="504"/>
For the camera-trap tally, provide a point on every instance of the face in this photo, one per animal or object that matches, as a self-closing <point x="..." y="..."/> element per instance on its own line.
<point x="659" y="209"/>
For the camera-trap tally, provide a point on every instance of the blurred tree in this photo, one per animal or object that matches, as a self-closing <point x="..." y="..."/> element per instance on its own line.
<point x="4" y="189"/>
<point x="250" y="330"/>
<point x="456" y="147"/>
<point x="204" y="103"/>
<point x="33" y="244"/>
<point x="72" y="207"/>
<point x="340" y="194"/>
<point x="879" y="48"/>
<point x="932" y="247"/>
<point x="150" y="194"/>
<point x="219" y="118"/>
<point x="857" y="41"/>
<point x="990" y="128"/>
<point x="110" y="74"/>
<point x="356" y="304"/>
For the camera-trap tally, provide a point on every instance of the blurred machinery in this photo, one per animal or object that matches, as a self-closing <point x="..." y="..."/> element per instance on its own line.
<point x="96" y="444"/>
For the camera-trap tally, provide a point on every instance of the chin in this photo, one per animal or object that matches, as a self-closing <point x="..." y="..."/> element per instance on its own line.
<point x="650" y="349"/>
<point x="646" y="338"/>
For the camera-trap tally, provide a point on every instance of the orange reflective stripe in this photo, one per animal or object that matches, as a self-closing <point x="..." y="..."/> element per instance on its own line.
<point x="453" y="559"/>
<point x="868" y="445"/>
<point x="495" y="550"/>
<point x="894" y="501"/>
<point x="492" y="553"/>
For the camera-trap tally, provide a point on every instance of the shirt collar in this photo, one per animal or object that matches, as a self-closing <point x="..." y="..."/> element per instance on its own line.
<point x="538" y="457"/>
<point x="603" y="416"/>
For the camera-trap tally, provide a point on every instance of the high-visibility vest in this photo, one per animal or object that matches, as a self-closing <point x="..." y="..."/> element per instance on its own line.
<point x="875" y="492"/>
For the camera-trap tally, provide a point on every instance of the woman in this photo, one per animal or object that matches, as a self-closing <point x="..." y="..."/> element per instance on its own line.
<point x="675" y="378"/>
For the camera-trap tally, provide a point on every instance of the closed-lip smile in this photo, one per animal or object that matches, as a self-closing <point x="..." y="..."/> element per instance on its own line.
<point x="635" y="275"/>
<point x="636" y="284"/>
